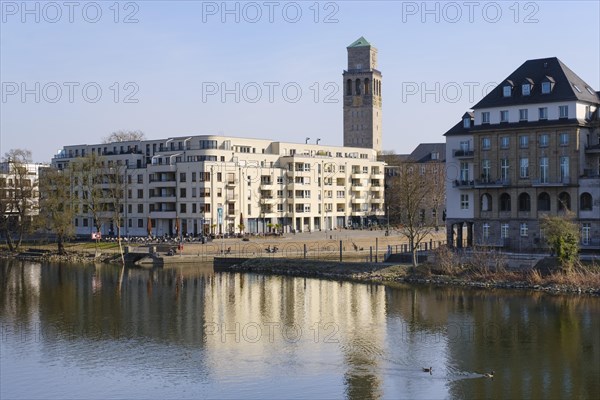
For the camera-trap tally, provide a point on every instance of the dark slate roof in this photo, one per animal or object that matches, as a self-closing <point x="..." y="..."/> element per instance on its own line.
<point x="459" y="129"/>
<point x="530" y="124"/>
<point x="543" y="69"/>
<point x="423" y="152"/>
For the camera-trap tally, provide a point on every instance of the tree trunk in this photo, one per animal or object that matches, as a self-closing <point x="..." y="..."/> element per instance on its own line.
<point x="61" y="245"/>
<point x="9" y="240"/>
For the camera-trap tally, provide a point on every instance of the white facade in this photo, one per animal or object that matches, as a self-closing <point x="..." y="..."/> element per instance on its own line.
<point x="262" y="184"/>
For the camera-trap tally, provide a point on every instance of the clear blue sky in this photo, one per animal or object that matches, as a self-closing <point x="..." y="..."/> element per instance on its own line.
<point x="179" y="50"/>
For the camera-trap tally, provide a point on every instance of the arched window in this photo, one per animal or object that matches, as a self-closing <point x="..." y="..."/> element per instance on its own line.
<point x="349" y="87"/>
<point x="543" y="202"/>
<point x="504" y="202"/>
<point x="486" y="202"/>
<point x="585" y="202"/>
<point x="357" y="87"/>
<point x="524" y="202"/>
<point x="367" y="86"/>
<point x="564" y="201"/>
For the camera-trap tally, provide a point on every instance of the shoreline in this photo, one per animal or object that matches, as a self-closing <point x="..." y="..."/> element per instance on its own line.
<point x="358" y="272"/>
<point x="389" y="274"/>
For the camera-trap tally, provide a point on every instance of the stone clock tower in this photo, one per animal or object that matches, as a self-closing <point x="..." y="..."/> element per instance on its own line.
<point x="362" y="97"/>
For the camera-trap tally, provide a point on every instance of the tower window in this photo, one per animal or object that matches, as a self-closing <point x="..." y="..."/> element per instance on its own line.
<point x="349" y="87"/>
<point x="357" y="88"/>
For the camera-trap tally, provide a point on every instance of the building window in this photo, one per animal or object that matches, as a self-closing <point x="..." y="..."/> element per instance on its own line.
<point x="140" y="179"/>
<point x="504" y="166"/>
<point x="486" y="231"/>
<point x="585" y="202"/>
<point x="564" y="201"/>
<point x="466" y="123"/>
<point x="504" y="142"/>
<point x="464" y="201"/>
<point x="564" y="169"/>
<point x="524" y="229"/>
<point x="544" y="170"/>
<point x="504" y="116"/>
<point x="564" y="139"/>
<point x="485" y="170"/>
<point x="486" y="143"/>
<point x="182" y="177"/>
<point x="504" y="231"/>
<point x="504" y="202"/>
<point x="524" y="168"/>
<point x="183" y="208"/>
<point x="586" y="230"/>
<point x="524" y="141"/>
<point x="140" y="193"/>
<point x="464" y="171"/>
<point x="485" y="117"/>
<point x="507" y="91"/>
<point x="140" y="223"/>
<point x="546" y="87"/>
<point x="523" y="114"/>
<point x="544" y="140"/>
<point x="543" y="113"/>
<point x="543" y="202"/>
<point x="182" y="193"/>
<point x="563" y="111"/>
<point x="524" y="202"/>
<point x="526" y="89"/>
<point x="486" y="202"/>
<point x="140" y="208"/>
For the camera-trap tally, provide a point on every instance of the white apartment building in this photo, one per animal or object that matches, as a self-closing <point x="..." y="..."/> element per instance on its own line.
<point x="211" y="184"/>
<point x="10" y="177"/>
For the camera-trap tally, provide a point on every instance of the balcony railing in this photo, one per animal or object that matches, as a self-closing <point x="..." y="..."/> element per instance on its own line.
<point x="548" y="182"/>
<point x="463" y="184"/>
<point x="460" y="153"/>
<point x="485" y="183"/>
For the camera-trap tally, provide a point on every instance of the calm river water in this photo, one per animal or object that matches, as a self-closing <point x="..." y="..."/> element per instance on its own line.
<point x="100" y="332"/>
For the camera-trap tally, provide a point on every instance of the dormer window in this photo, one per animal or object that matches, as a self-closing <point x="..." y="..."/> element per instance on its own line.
<point x="546" y="87"/>
<point x="507" y="91"/>
<point x="467" y="123"/>
<point x="577" y="88"/>
<point x="590" y="91"/>
<point x="526" y="89"/>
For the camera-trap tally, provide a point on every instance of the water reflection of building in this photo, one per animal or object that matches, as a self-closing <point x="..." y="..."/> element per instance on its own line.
<point x="260" y="318"/>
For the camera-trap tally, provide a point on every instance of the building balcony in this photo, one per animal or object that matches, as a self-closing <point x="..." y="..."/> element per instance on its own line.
<point x="377" y="200"/>
<point x="164" y="198"/>
<point x="231" y="198"/>
<point x="594" y="149"/>
<point x="162" y="168"/>
<point x="231" y="182"/>
<point x="498" y="183"/>
<point x="463" y="154"/>
<point x="463" y="184"/>
<point x="162" y="183"/>
<point x="163" y="214"/>
<point x="590" y="174"/>
<point x="550" y="182"/>
<point x="359" y="175"/>
<point x="359" y="200"/>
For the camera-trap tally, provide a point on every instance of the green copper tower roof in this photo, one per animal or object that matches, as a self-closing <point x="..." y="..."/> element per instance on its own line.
<point x="360" y="42"/>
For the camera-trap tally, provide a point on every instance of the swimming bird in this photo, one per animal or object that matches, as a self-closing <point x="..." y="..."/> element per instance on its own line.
<point x="430" y="370"/>
<point x="489" y="374"/>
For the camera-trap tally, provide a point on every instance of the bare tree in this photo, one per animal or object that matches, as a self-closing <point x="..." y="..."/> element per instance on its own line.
<point x="115" y="178"/>
<point x="88" y="181"/>
<point x="413" y="192"/>
<point x="18" y="197"/>
<point x="124" y="136"/>
<point x="56" y="204"/>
